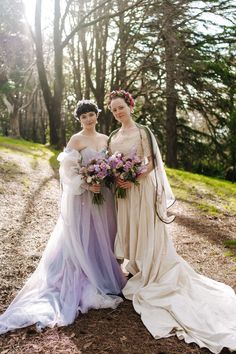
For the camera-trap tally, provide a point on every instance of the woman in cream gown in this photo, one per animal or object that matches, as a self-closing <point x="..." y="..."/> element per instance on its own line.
<point x="170" y="296"/>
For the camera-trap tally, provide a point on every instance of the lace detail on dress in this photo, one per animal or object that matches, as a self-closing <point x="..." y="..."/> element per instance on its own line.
<point x="126" y="143"/>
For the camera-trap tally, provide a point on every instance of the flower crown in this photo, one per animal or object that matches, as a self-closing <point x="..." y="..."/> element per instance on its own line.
<point x="84" y="106"/>
<point x="122" y="94"/>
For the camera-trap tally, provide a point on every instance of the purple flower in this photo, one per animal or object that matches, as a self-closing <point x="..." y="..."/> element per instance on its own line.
<point x="127" y="166"/>
<point x="119" y="164"/>
<point x="101" y="175"/>
<point x="97" y="168"/>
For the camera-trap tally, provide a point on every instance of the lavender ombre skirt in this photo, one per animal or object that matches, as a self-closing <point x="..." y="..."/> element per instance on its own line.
<point x="78" y="270"/>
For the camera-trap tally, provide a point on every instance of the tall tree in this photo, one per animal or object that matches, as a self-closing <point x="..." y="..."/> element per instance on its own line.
<point x="16" y="57"/>
<point x="53" y="96"/>
<point x="52" y="100"/>
<point x="176" y="78"/>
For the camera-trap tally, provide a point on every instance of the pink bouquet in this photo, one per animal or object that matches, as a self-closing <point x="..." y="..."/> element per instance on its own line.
<point x="97" y="171"/>
<point x="127" y="168"/>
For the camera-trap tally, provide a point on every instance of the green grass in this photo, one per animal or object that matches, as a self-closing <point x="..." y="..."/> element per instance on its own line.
<point x="53" y="159"/>
<point x="229" y="254"/>
<point x="33" y="150"/>
<point x="23" y="146"/>
<point x="210" y="195"/>
<point x="230" y="243"/>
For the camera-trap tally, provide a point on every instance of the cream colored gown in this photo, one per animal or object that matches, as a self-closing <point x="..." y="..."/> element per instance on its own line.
<point x="170" y="296"/>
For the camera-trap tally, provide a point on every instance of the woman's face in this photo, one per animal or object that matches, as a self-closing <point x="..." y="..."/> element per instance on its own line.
<point x="88" y="120"/>
<point x="120" y="109"/>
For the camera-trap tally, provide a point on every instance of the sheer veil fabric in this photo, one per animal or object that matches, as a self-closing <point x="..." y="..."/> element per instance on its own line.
<point x="164" y="196"/>
<point x="78" y="270"/>
<point x="171" y="298"/>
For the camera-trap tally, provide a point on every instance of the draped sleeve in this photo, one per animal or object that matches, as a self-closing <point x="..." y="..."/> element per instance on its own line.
<point x="70" y="163"/>
<point x="145" y="144"/>
<point x="164" y="195"/>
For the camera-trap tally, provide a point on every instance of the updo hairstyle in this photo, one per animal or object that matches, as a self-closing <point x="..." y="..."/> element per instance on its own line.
<point x="120" y="94"/>
<point x="85" y="106"/>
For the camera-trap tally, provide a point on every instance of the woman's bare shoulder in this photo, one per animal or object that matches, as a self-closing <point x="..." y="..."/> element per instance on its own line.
<point x="75" y="141"/>
<point x="103" y="137"/>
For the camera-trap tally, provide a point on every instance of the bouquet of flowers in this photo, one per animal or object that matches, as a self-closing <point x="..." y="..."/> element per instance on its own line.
<point x="97" y="171"/>
<point x="127" y="168"/>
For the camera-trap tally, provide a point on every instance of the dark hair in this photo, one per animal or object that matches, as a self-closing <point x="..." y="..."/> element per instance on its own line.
<point x="85" y="106"/>
<point x="127" y="97"/>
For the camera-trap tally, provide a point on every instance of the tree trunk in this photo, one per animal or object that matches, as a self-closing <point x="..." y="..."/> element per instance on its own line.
<point x="171" y="94"/>
<point x="171" y="126"/>
<point x="14" y="124"/>
<point x="13" y="117"/>
<point x="58" y="76"/>
<point x="101" y="37"/>
<point x="123" y="46"/>
<point x="88" y="80"/>
<point x="52" y="102"/>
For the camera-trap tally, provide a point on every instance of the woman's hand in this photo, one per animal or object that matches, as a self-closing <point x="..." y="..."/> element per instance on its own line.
<point x="142" y="175"/>
<point x="123" y="184"/>
<point x="95" y="188"/>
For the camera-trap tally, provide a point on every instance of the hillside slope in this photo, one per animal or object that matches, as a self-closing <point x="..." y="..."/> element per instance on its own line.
<point x="30" y="196"/>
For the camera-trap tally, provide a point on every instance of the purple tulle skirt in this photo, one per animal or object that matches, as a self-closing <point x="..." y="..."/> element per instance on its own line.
<point x="78" y="270"/>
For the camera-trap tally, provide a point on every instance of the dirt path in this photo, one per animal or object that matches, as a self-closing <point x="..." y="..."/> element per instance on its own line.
<point x="29" y="197"/>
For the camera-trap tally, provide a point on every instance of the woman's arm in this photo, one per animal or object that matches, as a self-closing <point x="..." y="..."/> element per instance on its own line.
<point x="127" y="184"/>
<point x="70" y="166"/>
<point x="148" y="168"/>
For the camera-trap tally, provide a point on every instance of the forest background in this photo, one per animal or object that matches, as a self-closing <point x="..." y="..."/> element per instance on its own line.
<point x="177" y="58"/>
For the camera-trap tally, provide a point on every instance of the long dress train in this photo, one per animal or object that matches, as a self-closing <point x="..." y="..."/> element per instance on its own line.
<point x="78" y="269"/>
<point x="170" y="296"/>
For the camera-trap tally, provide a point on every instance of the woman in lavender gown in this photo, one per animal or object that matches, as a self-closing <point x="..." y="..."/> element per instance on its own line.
<point x="78" y="270"/>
